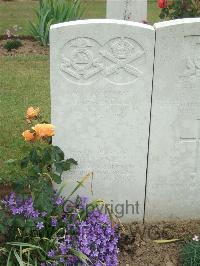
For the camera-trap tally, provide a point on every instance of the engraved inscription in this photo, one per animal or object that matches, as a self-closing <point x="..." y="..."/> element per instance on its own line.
<point x="83" y="60"/>
<point x="195" y="139"/>
<point x="127" y="10"/>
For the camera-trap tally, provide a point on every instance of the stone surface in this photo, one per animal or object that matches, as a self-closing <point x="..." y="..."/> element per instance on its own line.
<point x="174" y="158"/>
<point x="101" y="83"/>
<point x="134" y="10"/>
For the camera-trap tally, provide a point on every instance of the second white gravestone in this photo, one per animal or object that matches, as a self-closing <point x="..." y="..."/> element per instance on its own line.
<point x="133" y="10"/>
<point x="101" y="84"/>
<point x="174" y="157"/>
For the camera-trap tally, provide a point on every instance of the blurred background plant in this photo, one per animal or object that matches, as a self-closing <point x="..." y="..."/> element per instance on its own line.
<point x="13" y="31"/>
<point x="12" y="44"/>
<point x="175" y="9"/>
<point x="51" y="12"/>
<point x="190" y="253"/>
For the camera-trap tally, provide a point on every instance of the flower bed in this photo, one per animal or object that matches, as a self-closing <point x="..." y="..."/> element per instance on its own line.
<point x="38" y="226"/>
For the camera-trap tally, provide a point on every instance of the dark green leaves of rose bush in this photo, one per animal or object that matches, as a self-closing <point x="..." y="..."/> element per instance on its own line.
<point x="48" y="162"/>
<point x="181" y="9"/>
<point x="42" y="166"/>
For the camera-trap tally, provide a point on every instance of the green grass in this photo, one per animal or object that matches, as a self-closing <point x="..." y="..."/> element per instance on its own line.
<point x="20" y="12"/>
<point x="16" y="13"/>
<point x="24" y="81"/>
<point x="153" y="11"/>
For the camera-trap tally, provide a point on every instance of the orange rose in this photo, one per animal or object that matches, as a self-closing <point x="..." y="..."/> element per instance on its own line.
<point x="32" y="113"/>
<point x="28" y="135"/>
<point x="44" y="130"/>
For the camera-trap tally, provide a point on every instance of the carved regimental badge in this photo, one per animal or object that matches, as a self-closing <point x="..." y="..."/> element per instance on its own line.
<point x="84" y="60"/>
<point x="80" y="60"/>
<point x="192" y="56"/>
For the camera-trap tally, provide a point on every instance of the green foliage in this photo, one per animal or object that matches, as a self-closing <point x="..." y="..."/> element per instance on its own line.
<point x="12" y="44"/>
<point x="26" y="245"/>
<point x="51" y="12"/>
<point x="190" y="254"/>
<point x="36" y="220"/>
<point x="29" y="254"/>
<point x="43" y="165"/>
<point x="181" y="9"/>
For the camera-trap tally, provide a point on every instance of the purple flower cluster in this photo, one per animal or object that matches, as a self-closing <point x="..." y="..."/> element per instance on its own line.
<point x="18" y="206"/>
<point x="92" y="235"/>
<point x="95" y="237"/>
<point x="98" y="240"/>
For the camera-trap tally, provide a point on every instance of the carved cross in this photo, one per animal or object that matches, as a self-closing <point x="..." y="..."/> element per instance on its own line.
<point x="197" y="150"/>
<point x="124" y="64"/>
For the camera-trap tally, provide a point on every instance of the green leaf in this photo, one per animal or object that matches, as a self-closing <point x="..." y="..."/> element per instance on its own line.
<point x="2" y="228"/>
<point x="19" y="185"/>
<point x="29" y="223"/>
<point x="36" y="169"/>
<point x="19" y="221"/>
<point x="43" y="198"/>
<point x="18" y="258"/>
<point x="71" y="161"/>
<point x="66" y="166"/>
<point x="34" y="156"/>
<point x="46" y="156"/>
<point x="11" y="161"/>
<point x="24" y="162"/>
<point x="59" y="167"/>
<point x="84" y="179"/>
<point x="163" y="241"/>
<point x="57" y="178"/>
<point x="51" y="12"/>
<point x="58" y="154"/>
<point x="81" y="256"/>
<point x="9" y="256"/>
<point x="10" y="221"/>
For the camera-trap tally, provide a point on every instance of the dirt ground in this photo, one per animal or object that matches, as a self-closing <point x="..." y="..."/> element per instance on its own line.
<point x="138" y="249"/>
<point x="29" y="47"/>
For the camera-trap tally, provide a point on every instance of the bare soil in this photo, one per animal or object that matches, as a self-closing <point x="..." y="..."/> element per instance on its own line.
<point x="29" y="47"/>
<point x="138" y="249"/>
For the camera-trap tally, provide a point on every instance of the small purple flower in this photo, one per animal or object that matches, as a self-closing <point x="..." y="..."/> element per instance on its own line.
<point x="94" y="236"/>
<point x="59" y="201"/>
<point x="43" y="214"/>
<point x="62" y="260"/>
<point x="40" y="225"/>
<point x="83" y="202"/>
<point x="51" y="253"/>
<point x="54" y="222"/>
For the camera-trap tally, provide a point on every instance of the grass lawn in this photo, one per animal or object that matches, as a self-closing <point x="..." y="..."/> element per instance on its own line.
<point x="20" y="12"/>
<point x="24" y="81"/>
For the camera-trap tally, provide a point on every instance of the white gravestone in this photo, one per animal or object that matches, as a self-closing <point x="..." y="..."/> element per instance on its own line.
<point x="174" y="157"/>
<point x="101" y="83"/>
<point x="134" y="10"/>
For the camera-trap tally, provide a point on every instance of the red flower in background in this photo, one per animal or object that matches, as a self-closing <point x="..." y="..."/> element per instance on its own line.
<point x="162" y="3"/>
